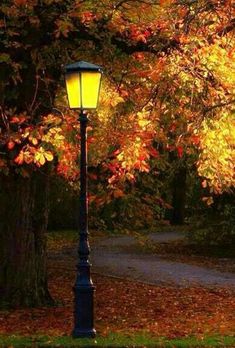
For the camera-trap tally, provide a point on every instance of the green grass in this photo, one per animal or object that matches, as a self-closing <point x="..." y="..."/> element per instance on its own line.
<point x="114" y="340"/>
<point x="62" y="238"/>
<point x="59" y="239"/>
<point x="69" y="235"/>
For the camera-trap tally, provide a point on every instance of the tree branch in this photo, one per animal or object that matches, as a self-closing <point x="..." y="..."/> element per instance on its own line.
<point x="220" y="105"/>
<point x="228" y="28"/>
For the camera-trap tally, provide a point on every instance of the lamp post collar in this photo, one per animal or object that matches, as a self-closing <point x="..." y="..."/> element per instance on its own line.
<point x="83" y="117"/>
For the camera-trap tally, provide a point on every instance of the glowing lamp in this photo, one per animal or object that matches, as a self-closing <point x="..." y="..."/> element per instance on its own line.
<point x="83" y="85"/>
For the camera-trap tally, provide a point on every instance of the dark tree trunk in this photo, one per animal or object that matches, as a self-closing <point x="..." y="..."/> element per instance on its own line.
<point x="23" y="222"/>
<point x="179" y="195"/>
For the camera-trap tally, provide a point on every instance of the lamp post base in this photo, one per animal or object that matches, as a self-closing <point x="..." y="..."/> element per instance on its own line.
<point x="84" y="310"/>
<point x="78" y="333"/>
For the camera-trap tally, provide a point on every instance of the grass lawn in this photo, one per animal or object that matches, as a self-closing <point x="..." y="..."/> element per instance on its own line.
<point x="114" y="340"/>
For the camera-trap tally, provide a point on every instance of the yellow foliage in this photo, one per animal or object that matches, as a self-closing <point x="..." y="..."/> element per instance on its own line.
<point x="41" y="156"/>
<point x="221" y="61"/>
<point x="217" y="159"/>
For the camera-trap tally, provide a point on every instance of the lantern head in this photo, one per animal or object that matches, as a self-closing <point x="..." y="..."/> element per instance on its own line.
<point x="83" y="85"/>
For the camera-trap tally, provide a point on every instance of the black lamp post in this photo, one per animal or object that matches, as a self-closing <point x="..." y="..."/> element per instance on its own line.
<point x="83" y="85"/>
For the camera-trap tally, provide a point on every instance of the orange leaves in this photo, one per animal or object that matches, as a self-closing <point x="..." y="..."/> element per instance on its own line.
<point x="134" y="151"/>
<point x="157" y="65"/>
<point x="64" y="26"/>
<point x="52" y="119"/>
<point x="166" y="2"/>
<point x="136" y="33"/>
<point x="18" y="119"/>
<point x="118" y="193"/>
<point x="20" y="158"/>
<point x="67" y="160"/>
<point x="180" y="151"/>
<point x="38" y="145"/>
<point x="87" y="17"/>
<point x="30" y="154"/>
<point x="204" y="184"/>
<point x="2" y="163"/>
<point x="10" y="145"/>
<point x="33" y="140"/>
<point x="153" y="152"/>
<point x="195" y="139"/>
<point x="139" y="56"/>
<point x="208" y="200"/>
<point x="20" y="2"/>
<point x="35" y="144"/>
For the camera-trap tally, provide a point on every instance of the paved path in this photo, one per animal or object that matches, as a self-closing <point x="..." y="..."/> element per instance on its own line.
<point x="109" y="257"/>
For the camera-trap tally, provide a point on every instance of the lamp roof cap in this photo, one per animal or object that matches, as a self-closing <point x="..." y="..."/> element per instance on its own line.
<point x="82" y="66"/>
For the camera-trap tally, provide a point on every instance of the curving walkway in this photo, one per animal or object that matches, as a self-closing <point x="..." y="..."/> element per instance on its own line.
<point x="108" y="257"/>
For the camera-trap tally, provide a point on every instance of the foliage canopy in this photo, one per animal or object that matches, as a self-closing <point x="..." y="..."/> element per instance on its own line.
<point x="169" y="86"/>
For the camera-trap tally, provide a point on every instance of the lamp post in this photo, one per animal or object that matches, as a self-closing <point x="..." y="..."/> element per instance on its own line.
<point x="83" y="85"/>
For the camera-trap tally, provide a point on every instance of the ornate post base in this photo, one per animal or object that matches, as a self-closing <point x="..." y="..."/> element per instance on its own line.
<point x="84" y="306"/>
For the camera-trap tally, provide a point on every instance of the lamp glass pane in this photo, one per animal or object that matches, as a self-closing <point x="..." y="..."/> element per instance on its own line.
<point x="73" y="90"/>
<point x="90" y="89"/>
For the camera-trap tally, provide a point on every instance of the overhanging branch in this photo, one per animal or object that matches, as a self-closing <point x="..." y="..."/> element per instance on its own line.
<point x="220" y="105"/>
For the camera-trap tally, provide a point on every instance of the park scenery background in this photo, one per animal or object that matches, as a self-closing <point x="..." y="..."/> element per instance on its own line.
<point x="161" y="155"/>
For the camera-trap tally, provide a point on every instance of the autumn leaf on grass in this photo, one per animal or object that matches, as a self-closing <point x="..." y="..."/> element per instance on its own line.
<point x="41" y="156"/>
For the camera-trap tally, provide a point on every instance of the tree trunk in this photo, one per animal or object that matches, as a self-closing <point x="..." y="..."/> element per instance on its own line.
<point x="179" y="195"/>
<point x="23" y="222"/>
